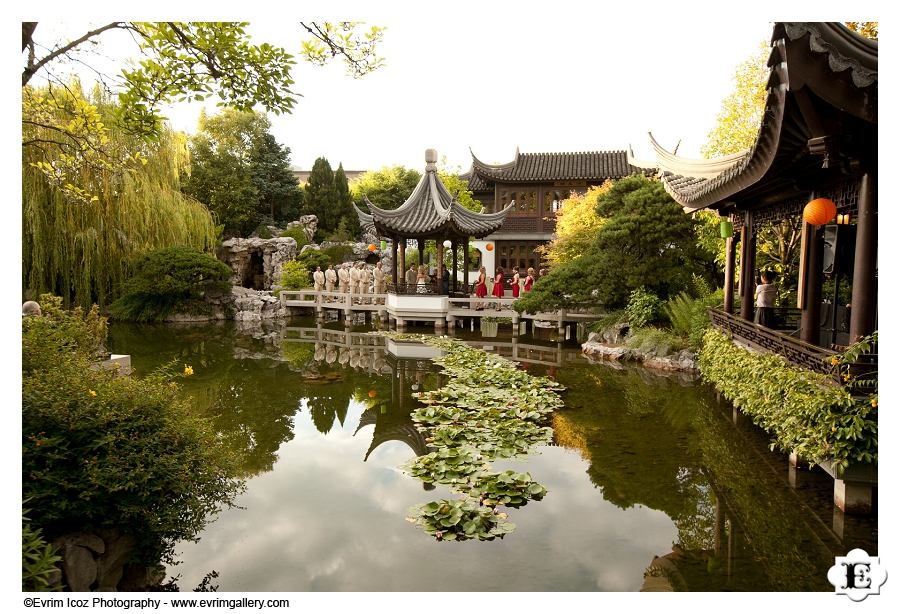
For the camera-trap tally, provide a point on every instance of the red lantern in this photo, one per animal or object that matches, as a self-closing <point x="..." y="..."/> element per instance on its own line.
<point x="819" y="211"/>
<point x="489" y="247"/>
<point x="372" y="247"/>
<point x="373" y="394"/>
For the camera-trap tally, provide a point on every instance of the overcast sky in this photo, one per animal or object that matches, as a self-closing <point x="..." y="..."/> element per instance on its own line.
<point x="551" y="76"/>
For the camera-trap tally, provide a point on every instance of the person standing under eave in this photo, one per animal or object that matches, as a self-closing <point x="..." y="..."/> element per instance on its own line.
<point x="498" y="285"/>
<point x="765" y="301"/>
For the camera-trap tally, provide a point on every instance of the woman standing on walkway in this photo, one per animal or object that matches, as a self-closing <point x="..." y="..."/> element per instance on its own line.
<point x="481" y="287"/>
<point x="498" y="285"/>
<point x="515" y="282"/>
<point x="529" y="280"/>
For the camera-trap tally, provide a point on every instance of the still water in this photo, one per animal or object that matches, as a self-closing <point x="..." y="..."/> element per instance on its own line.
<point x="653" y="483"/>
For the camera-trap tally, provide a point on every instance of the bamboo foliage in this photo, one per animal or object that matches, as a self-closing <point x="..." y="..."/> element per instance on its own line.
<point x="80" y="249"/>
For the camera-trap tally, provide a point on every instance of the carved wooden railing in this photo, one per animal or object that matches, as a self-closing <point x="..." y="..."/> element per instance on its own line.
<point x="793" y="350"/>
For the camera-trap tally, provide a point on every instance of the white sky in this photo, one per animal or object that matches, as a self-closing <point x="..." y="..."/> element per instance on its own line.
<point x="550" y="76"/>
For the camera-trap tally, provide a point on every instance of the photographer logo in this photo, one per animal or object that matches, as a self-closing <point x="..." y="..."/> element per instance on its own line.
<point x="857" y="575"/>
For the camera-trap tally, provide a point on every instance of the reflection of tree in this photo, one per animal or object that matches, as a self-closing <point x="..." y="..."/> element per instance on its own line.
<point x="226" y="390"/>
<point x="636" y="436"/>
<point x="324" y="408"/>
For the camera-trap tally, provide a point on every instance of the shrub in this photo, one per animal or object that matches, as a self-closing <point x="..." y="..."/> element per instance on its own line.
<point x="805" y="412"/>
<point x="39" y="559"/>
<point x="101" y="451"/>
<point x="59" y="334"/>
<point x="298" y="273"/>
<point x="297" y="234"/>
<point x="655" y="341"/>
<point x="170" y="280"/>
<point x="338" y="254"/>
<point x="643" y="307"/>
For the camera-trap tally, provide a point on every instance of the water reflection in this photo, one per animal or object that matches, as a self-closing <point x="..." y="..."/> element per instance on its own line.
<point x="651" y="484"/>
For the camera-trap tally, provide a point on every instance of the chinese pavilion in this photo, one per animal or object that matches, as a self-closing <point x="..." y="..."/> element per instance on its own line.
<point x="430" y="213"/>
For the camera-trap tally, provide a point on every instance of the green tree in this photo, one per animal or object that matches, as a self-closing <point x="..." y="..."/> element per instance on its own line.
<point x="577" y="223"/>
<point x="280" y="195"/>
<point x="646" y="241"/>
<point x="240" y="171"/>
<point x="343" y="201"/>
<point x="321" y="197"/>
<point x="81" y="252"/>
<point x="741" y="114"/>
<point x="387" y="188"/>
<point x="178" y="62"/>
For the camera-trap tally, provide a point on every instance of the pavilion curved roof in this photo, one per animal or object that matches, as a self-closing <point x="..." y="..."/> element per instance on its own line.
<point x="556" y="166"/>
<point x="823" y="61"/>
<point x="430" y="211"/>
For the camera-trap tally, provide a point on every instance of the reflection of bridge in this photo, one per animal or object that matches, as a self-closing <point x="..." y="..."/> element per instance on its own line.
<point x="442" y="310"/>
<point x="374" y="347"/>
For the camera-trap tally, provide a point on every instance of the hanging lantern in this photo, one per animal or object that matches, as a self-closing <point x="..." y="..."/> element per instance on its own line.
<point x="819" y="211"/>
<point x="447" y="244"/>
<point x="726" y="229"/>
<point x="372" y="247"/>
<point x="489" y="247"/>
<point x="383" y="245"/>
<point x="373" y="393"/>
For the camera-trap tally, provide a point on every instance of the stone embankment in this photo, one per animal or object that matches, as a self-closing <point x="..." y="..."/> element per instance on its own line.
<point x="597" y="348"/>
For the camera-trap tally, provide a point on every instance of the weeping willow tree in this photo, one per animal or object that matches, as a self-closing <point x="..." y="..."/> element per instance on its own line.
<point x="80" y="248"/>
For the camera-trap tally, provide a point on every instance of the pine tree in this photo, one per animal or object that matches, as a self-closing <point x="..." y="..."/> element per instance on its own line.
<point x="321" y="197"/>
<point x="344" y="203"/>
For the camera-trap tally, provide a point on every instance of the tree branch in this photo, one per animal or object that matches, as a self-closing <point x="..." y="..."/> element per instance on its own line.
<point x="32" y="68"/>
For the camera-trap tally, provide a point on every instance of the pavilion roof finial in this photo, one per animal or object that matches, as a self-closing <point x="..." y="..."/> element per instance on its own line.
<point x="430" y="160"/>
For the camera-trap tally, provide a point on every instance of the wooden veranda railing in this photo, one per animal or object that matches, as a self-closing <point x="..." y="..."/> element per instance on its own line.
<point x="793" y="350"/>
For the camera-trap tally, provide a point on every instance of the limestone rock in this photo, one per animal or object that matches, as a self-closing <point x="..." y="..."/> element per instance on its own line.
<point x="111" y="564"/>
<point x="79" y="568"/>
<point x="309" y="223"/>
<point x="256" y="263"/>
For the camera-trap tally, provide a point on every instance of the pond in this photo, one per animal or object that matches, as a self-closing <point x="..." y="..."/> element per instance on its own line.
<point x="652" y="485"/>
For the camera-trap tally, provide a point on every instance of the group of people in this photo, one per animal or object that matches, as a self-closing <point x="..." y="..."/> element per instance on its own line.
<point x="497" y="291"/>
<point x="352" y="278"/>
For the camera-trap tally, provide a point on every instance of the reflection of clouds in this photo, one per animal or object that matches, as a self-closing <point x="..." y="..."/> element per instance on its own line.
<point x="324" y="520"/>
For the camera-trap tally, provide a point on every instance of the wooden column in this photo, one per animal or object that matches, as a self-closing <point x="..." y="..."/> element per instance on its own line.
<point x="401" y="263"/>
<point x="748" y="267"/>
<point x="421" y="245"/>
<point x="729" y="274"/>
<point x="863" y="303"/>
<point x="439" y="268"/>
<point x="466" y="264"/>
<point x="395" y="263"/>
<point x="812" y="287"/>
<point x="454" y="278"/>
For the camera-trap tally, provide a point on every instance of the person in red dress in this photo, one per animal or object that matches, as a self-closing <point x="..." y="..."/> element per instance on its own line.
<point x="529" y="280"/>
<point x="498" y="285"/>
<point x="481" y="287"/>
<point x="515" y="282"/>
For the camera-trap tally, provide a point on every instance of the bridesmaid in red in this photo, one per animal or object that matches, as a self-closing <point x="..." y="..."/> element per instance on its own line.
<point x="481" y="287"/>
<point x="529" y="280"/>
<point x="515" y="282"/>
<point x="498" y="285"/>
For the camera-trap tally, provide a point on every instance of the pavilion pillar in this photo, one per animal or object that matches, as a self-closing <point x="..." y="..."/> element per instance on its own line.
<point x="466" y="264"/>
<point x="812" y="287"/>
<point x="748" y="266"/>
<point x="454" y="245"/>
<point x="401" y="262"/>
<point x="863" y="302"/>
<point x="729" y="274"/>
<point x="421" y="244"/>
<point x="394" y="261"/>
<point x="439" y="268"/>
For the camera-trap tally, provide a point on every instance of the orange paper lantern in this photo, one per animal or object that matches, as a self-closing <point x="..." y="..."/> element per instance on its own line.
<point x="373" y="394"/>
<point x="372" y="247"/>
<point x="489" y="247"/>
<point x="819" y="211"/>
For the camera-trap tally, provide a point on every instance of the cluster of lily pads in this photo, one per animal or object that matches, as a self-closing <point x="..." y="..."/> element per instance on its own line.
<point x="489" y="409"/>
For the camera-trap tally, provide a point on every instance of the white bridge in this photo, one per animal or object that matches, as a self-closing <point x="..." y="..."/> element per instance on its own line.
<point x="442" y="310"/>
